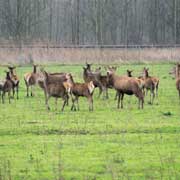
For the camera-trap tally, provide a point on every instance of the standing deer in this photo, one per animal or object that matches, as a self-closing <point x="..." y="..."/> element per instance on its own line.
<point x="7" y="87"/>
<point x="79" y="89"/>
<point x="31" y="80"/>
<point x="15" y="80"/>
<point x="149" y="84"/>
<point x="155" y="81"/>
<point x="53" y="87"/>
<point x="95" y="77"/>
<point x="125" y="85"/>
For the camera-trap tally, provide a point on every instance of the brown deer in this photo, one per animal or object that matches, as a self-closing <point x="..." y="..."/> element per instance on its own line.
<point x="140" y="80"/>
<point x="125" y="85"/>
<point x="155" y="81"/>
<point x="88" y="76"/>
<point x="7" y="87"/>
<point x="104" y="82"/>
<point x="149" y="84"/>
<point x="79" y="89"/>
<point x="15" y="80"/>
<point x="31" y="80"/>
<point x="53" y="87"/>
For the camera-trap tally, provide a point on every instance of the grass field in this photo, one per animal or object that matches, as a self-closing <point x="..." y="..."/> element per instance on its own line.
<point x="104" y="144"/>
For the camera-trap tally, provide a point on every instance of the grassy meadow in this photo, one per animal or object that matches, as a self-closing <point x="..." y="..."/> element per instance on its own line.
<point x="36" y="144"/>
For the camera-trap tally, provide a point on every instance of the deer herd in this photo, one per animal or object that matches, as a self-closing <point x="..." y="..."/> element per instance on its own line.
<point x="62" y="85"/>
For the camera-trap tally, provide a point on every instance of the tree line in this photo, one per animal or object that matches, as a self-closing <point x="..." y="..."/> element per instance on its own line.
<point x="91" y="22"/>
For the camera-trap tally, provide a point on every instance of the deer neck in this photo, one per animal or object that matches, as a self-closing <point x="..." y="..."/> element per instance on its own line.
<point x="34" y="69"/>
<point x="112" y="79"/>
<point x="8" y="76"/>
<point x="146" y="75"/>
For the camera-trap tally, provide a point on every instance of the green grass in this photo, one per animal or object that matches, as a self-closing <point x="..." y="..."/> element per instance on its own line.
<point x="104" y="144"/>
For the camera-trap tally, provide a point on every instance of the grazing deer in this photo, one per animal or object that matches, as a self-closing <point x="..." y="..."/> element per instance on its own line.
<point x="53" y="87"/>
<point x="125" y="85"/>
<point x="15" y="80"/>
<point x="7" y="87"/>
<point x="79" y="89"/>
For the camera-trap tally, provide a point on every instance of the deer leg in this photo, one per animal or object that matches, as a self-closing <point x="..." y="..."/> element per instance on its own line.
<point x="77" y="101"/>
<point x="157" y="87"/>
<point x="9" y="96"/>
<point x="119" y="98"/>
<point x="107" y="96"/>
<point x="100" y="92"/>
<point x="122" y="96"/>
<point x="116" y="96"/>
<point x="13" y="91"/>
<point x="153" y="97"/>
<point x="3" y="94"/>
<point x="27" y="89"/>
<point x="142" y="103"/>
<point x="65" y="102"/>
<point x="90" y="99"/>
<point x="17" y="91"/>
<point x="47" y="104"/>
<point x="31" y="90"/>
<point x="104" y="91"/>
<point x="150" y="97"/>
<point x="73" y="107"/>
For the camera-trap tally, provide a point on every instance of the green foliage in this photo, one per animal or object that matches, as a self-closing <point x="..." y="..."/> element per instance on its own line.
<point x="104" y="144"/>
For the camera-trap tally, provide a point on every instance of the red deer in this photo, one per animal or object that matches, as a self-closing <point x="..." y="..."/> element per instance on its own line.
<point x="31" y="79"/>
<point x="125" y="85"/>
<point x="15" y="80"/>
<point x="149" y="84"/>
<point x="79" y="89"/>
<point x="155" y="81"/>
<point x="88" y="76"/>
<point x="140" y="80"/>
<point x="53" y="87"/>
<point x="7" y="87"/>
